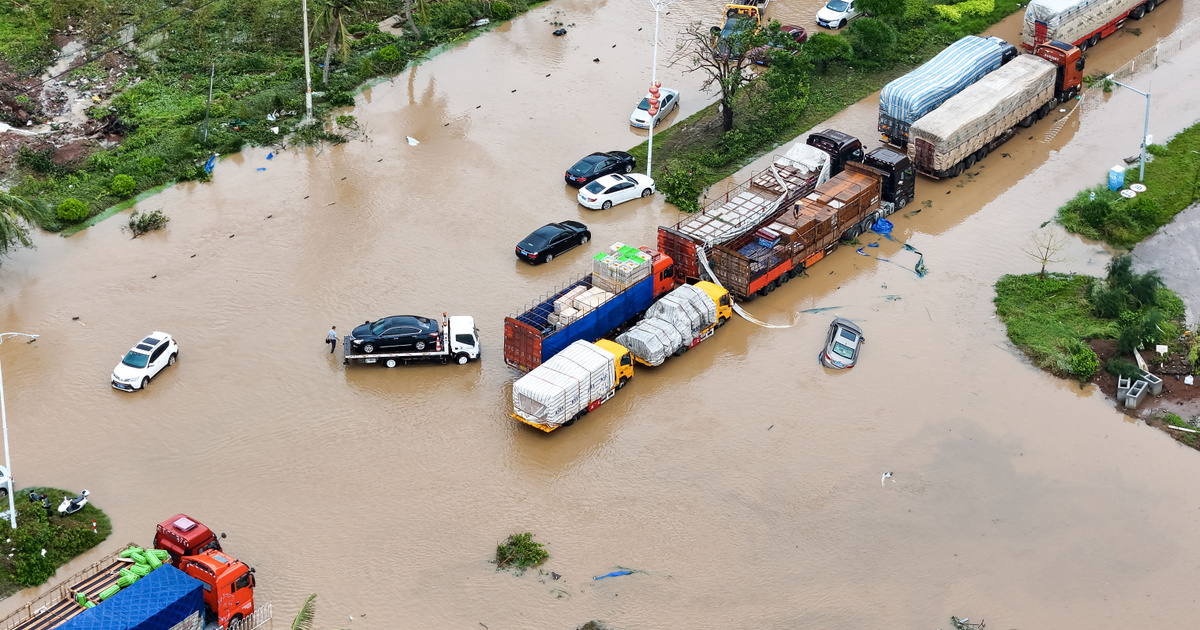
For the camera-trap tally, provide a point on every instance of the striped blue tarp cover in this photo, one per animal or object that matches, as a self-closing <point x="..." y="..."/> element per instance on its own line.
<point x="922" y="90"/>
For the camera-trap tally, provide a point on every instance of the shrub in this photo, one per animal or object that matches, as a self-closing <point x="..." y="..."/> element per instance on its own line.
<point x="35" y="160"/>
<point x="501" y="10"/>
<point x="142" y="222"/>
<point x="1084" y="363"/>
<point x="679" y="182"/>
<point x="339" y="98"/>
<point x="821" y="49"/>
<point x="520" y="552"/>
<point x="151" y="165"/>
<point x="72" y="210"/>
<point x="1157" y="150"/>
<point x="451" y="14"/>
<point x="102" y="161"/>
<point x="1110" y="302"/>
<point x="122" y="186"/>
<point x="1144" y="211"/>
<point x="871" y="38"/>
<point x="1095" y="212"/>
<point x="1119" y="366"/>
<point x="388" y="54"/>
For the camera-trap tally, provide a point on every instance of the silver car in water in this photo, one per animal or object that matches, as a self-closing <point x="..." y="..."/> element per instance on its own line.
<point x="842" y="344"/>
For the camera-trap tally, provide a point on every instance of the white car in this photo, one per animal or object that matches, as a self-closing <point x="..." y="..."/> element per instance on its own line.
<point x="144" y="362"/>
<point x="837" y="13"/>
<point x="667" y="101"/>
<point x="611" y="190"/>
<point x="4" y="480"/>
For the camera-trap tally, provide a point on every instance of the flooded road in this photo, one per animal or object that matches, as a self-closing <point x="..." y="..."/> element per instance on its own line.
<point x="741" y="481"/>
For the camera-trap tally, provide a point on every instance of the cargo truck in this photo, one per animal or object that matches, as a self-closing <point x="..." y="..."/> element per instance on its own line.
<point x="97" y="598"/>
<point x="570" y="384"/>
<point x="982" y="117"/>
<point x="678" y="322"/>
<point x="906" y="99"/>
<point x="841" y="147"/>
<point x="458" y="341"/>
<point x="1081" y="23"/>
<point x="764" y="195"/>
<point x="845" y="206"/>
<point x="622" y="285"/>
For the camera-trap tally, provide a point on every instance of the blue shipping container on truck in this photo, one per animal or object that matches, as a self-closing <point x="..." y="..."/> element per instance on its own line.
<point x="596" y="323"/>
<point x="163" y="600"/>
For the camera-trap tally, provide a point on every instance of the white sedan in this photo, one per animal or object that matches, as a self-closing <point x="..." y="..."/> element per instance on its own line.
<point x="611" y="190"/>
<point x="145" y="361"/>
<point x="668" y="100"/>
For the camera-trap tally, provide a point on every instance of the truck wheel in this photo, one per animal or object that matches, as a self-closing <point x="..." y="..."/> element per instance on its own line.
<point x="235" y="621"/>
<point x="1138" y="12"/>
<point x="721" y="321"/>
<point x="1150" y="4"/>
<point x="621" y="383"/>
<point x="571" y="421"/>
<point x="784" y="278"/>
<point x="969" y="161"/>
<point x="1028" y="121"/>
<point x="901" y="202"/>
<point x="391" y="363"/>
<point x="956" y="170"/>
<point x="1094" y="40"/>
<point x="461" y="358"/>
<point x="763" y="292"/>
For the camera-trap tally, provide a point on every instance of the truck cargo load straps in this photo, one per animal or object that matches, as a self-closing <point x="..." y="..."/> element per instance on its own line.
<point x="736" y="307"/>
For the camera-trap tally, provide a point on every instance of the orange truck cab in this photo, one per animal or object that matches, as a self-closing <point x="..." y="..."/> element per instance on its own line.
<point x="183" y="536"/>
<point x="228" y="584"/>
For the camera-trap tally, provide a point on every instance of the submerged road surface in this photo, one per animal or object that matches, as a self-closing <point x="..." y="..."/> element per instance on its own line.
<point x="740" y="482"/>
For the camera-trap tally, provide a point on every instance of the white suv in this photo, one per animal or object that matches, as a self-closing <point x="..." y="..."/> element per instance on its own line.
<point x="142" y="363"/>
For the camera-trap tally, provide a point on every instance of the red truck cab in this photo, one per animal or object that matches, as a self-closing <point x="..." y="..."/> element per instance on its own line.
<point x="182" y="536"/>
<point x="228" y="584"/>
<point x="1070" y="62"/>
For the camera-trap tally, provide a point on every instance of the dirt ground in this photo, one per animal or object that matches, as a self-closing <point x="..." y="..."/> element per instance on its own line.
<point x="1177" y="397"/>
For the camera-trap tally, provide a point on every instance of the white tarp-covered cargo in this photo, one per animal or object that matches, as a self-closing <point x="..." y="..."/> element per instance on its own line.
<point x="981" y="112"/>
<point x="553" y="392"/>
<point x="675" y="320"/>
<point x="1069" y="20"/>
<point x="811" y="158"/>
<point x="919" y="92"/>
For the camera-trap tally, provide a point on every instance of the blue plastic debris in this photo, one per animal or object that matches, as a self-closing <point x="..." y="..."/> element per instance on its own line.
<point x="270" y="155"/>
<point x="882" y="226"/>
<point x="613" y="574"/>
<point x="861" y="253"/>
<point x="212" y="161"/>
<point x="875" y="244"/>
<point x="262" y="168"/>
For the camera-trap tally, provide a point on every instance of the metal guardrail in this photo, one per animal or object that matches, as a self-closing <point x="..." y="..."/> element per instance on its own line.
<point x="1166" y="49"/>
<point x="58" y="593"/>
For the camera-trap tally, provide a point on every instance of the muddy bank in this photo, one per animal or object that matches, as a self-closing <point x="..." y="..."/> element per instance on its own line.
<point x="742" y="481"/>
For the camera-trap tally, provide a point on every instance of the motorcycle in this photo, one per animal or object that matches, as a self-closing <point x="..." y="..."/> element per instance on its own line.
<point x="72" y="505"/>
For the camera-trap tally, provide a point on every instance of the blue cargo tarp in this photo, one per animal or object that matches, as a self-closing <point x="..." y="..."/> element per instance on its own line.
<point x="599" y="321"/>
<point x="158" y="601"/>
<point x="919" y="92"/>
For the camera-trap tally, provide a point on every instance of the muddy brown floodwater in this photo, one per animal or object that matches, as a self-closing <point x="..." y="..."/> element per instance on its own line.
<point x="742" y="481"/>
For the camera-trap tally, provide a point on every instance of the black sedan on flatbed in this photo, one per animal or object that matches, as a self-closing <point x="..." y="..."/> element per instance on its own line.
<point x="398" y="333"/>
<point x="599" y="165"/>
<point x="552" y="239"/>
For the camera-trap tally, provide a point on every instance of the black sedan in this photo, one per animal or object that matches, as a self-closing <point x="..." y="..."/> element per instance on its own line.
<point x="552" y="239"/>
<point x="599" y="165"/>
<point x="398" y="333"/>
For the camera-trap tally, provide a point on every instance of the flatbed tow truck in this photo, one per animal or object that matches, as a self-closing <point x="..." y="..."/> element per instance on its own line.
<point x="458" y="342"/>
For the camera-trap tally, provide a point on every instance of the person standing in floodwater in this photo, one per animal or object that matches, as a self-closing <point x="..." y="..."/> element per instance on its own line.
<point x="331" y="338"/>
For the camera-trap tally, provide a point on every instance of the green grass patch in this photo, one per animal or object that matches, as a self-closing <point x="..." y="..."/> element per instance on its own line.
<point x="520" y="552"/>
<point x="697" y="143"/>
<point x="1172" y="184"/>
<point x="259" y="72"/>
<point x="63" y="538"/>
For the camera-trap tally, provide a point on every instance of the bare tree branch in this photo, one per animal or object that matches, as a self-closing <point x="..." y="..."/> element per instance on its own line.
<point x="1046" y="248"/>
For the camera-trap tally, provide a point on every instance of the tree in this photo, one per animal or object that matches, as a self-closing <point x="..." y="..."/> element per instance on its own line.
<point x="823" y="48"/>
<point x="408" y="16"/>
<point x="16" y="216"/>
<point x="331" y="19"/>
<point x="1046" y="248"/>
<point x="723" y="57"/>
<point x="304" y="618"/>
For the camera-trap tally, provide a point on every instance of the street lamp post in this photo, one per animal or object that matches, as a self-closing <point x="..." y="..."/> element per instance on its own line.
<point x="1145" y="128"/>
<point x="307" y="64"/>
<point x="658" y="5"/>
<point x="12" y="508"/>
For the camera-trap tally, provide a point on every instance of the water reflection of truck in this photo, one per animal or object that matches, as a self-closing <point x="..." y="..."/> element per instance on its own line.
<point x="585" y="375"/>
<point x="848" y="204"/>
<point x="1081" y="23"/>
<point x="973" y="123"/>
<point x="588" y="308"/>
<point x="905" y="100"/>
<point x="183" y="592"/>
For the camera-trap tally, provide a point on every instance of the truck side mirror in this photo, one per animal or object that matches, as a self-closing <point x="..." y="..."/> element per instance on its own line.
<point x="222" y="534"/>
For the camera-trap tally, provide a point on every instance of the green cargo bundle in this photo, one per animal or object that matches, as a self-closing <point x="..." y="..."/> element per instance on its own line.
<point x="153" y="561"/>
<point x="108" y="592"/>
<point x="161" y="554"/>
<point x="89" y="604"/>
<point x="128" y="552"/>
<point x="141" y="570"/>
<point x="80" y="598"/>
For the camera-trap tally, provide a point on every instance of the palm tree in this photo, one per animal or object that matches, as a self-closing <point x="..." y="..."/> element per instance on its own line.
<point x="304" y="618"/>
<point x="16" y="216"/>
<point x="331" y="19"/>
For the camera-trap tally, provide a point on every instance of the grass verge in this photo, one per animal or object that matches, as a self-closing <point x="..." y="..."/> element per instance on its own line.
<point x="1172" y="184"/>
<point x="63" y="538"/>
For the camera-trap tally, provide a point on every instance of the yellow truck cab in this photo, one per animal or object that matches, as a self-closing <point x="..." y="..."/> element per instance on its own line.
<point x="623" y="363"/>
<point x="721" y="298"/>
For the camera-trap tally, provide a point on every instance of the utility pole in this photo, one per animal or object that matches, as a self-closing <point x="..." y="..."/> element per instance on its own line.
<point x="211" y="73"/>
<point x="12" y="508"/>
<point x="307" y="71"/>
<point x="1145" y="128"/>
